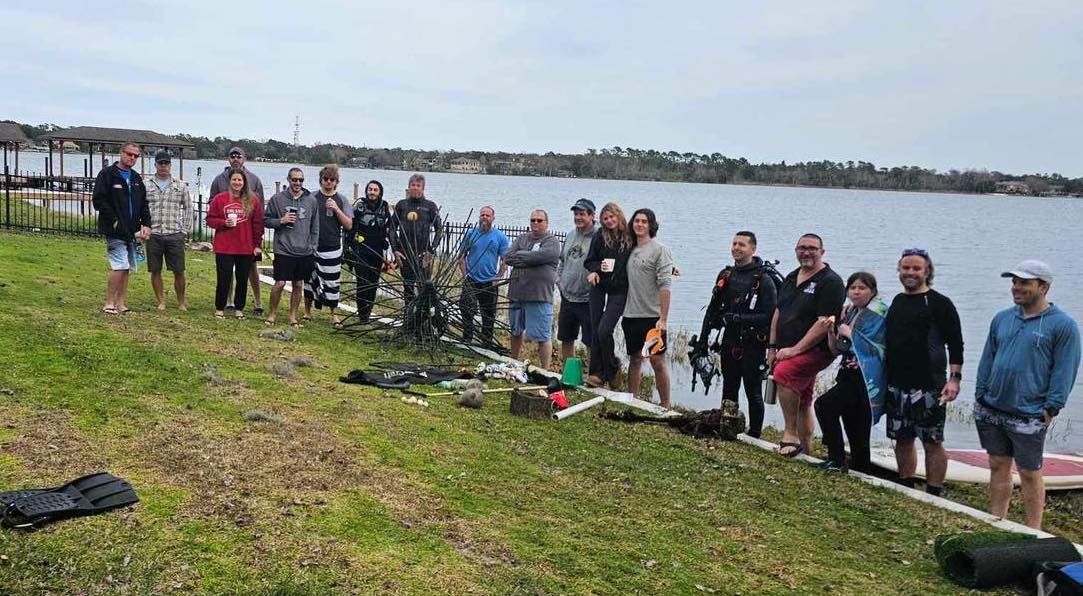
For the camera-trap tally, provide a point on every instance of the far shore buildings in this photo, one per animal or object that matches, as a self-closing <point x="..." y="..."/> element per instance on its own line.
<point x="467" y="165"/>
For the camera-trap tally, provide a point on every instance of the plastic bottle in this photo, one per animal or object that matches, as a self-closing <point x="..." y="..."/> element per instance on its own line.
<point x="140" y="253"/>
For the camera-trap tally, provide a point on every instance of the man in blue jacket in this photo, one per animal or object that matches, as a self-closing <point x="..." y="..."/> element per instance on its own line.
<point x="124" y="219"/>
<point x="1027" y="370"/>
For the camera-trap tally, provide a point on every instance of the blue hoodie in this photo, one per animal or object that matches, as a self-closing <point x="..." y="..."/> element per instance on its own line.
<point x="1029" y="364"/>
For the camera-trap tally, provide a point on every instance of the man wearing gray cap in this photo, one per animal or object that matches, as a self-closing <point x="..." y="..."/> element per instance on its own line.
<point x="221" y="184"/>
<point x="1027" y="370"/>
<point x="170" y="216"/>
<point x="572" y="281"/>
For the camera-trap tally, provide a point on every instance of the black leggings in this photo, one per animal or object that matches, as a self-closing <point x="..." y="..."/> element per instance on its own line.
<point x="739" y="364"/>
<point x="846" y="405"/>
<point x="226" y="265"/>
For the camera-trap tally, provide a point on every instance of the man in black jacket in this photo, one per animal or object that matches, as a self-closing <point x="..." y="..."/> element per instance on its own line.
<point x="124" y="219"/>
<point x="416" y="231"/>
<point x="742" y="303"/>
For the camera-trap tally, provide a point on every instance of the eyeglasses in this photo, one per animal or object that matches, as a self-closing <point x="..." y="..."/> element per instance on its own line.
<point x="235" y="155"/>
<point x="539" y="220"/>
<point x="297" y="179"/>
<point x="807" y="248"/>
<point x="130" y="154"/>
<point x="921" y="252"/>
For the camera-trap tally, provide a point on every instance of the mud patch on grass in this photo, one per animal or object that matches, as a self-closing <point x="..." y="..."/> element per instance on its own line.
<point x="235" y="474"/>
<point x="50" y="444"/>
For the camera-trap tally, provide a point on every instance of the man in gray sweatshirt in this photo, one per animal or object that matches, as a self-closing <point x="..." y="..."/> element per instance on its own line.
<point x="292" y="215"/>
<point x="572" y="276"/>
<point x="533" y="257"/>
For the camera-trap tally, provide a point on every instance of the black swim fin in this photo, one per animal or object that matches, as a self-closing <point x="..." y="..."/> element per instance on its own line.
<point x="89" y="495"/>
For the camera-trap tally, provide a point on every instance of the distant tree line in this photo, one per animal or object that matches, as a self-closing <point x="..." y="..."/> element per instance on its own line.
<point x="619" y="163"/>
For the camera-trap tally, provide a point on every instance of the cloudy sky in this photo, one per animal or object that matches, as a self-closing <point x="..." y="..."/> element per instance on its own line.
<point x="959" y="84"/>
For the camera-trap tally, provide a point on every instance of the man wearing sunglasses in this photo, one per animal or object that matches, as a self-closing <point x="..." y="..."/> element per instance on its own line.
<point x="533" y="257"/>
<point x="797" y="350"/>
<point x="920" y="324"/>
<point x="123" y="218"/>
<point x="291" y="213"/>
<point x="220" y="184"/>
<point x="1027" y="370"/>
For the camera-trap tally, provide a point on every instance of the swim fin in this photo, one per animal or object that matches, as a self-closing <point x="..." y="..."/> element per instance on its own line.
<point x="89" y="495"/>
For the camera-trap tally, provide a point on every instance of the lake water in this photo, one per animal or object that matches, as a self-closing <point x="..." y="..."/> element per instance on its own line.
<point x="971" y="239"/>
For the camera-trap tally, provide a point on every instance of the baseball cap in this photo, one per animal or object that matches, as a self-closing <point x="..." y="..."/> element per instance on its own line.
<point x="236" y="151"/>
<point x="584" y="205"/>
<point x="1031" y="269"/>
<point x="162" y="156"/>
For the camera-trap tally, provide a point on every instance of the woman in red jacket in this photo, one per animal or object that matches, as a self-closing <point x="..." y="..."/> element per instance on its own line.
<point x="237" y="218"/>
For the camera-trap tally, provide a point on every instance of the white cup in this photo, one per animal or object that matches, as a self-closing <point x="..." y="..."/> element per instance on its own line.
<point x="607" y="265"/>
<point x="232" y="217"/>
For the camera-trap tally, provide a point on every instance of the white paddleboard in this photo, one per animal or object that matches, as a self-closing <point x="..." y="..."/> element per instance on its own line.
<point x="1060" y="471"/>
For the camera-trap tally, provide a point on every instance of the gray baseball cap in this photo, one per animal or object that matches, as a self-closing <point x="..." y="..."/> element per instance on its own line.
<point x="1031" y="269"/>
<point x="584" y="205"/>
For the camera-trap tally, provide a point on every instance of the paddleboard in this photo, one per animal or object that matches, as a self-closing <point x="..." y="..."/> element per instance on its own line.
<point x="1061" y="471"/>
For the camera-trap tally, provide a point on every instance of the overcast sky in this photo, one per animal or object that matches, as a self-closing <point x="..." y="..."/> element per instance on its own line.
<point x="957" y="84"/>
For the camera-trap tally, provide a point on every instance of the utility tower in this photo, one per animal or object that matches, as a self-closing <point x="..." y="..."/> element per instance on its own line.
<point x="297" y="131"/>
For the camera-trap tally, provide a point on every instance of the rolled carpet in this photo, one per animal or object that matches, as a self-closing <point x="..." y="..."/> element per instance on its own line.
<point x="996" y="562"/>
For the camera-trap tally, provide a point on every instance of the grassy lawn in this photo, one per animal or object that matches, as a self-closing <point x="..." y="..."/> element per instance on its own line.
<point x="348" y="490"/>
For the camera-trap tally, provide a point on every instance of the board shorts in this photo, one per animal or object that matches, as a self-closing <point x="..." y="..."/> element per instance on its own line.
<point x="798" y="374"/>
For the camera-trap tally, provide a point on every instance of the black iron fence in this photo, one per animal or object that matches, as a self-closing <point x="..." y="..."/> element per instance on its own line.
<point x="64" y="204"/>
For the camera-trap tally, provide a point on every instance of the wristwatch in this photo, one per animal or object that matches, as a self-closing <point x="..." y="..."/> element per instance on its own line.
<point x="956" y="376"/>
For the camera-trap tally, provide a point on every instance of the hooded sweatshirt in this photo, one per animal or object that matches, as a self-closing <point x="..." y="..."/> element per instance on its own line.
<point x="300" y="239"/>
<point x="1029" y="365"/>
<point x="572" y="274"/>
<point x="534" y="268"/>
<point x="241" y="239"/>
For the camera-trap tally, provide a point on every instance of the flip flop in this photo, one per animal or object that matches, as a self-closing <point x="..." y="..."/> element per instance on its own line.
<point x="239" y="315"/>
<point x="306" y="317"/>
<point x="258" y="311"/>
<point x="269" y="323"/>
<point x="219" y="315"/>
<point x="296" y="325"/>
<point x="797" y="449"/>
<point x="109" y="310"/>
<point x="124" y="311"/>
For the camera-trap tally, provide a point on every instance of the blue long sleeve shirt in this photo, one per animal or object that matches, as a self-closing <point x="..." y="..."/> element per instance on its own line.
<point x="1029" y="364"/>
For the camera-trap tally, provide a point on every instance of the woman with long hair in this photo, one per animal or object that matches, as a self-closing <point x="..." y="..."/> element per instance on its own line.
<point x="856" y="401"/>
<point x="607" y="262"/>
<point x="236" y="215"/>
<point x="366" y="243"/>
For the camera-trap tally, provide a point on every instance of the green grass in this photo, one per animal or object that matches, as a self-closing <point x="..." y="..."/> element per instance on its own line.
<point x="347" y="490"/>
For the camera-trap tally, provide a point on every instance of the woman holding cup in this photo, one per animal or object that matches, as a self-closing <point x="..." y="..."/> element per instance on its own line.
<point x="236" y="216"/>
<point x="607" y="261"/>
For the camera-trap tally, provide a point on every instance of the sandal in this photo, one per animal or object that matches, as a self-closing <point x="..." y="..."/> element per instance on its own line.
<point x="109" y="310"/>
<point x="306" y="317"/>
<point x="124" y="311"/>
<point x="258" y="311"/>
<point x="269" y="322"/>
<point x="797" y="449"/>
<point x="239" y="314"/>
<point x="219" y="315"/>
<point x="296" y="325"/>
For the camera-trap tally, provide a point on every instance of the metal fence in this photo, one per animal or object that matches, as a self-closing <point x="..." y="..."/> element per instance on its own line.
<point x="64" y="204"/>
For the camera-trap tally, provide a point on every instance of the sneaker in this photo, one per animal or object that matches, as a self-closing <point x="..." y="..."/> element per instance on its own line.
<point x="828" y="465"/>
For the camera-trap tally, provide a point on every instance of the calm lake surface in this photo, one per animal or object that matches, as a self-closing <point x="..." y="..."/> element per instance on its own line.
<point x="971" y="239"/>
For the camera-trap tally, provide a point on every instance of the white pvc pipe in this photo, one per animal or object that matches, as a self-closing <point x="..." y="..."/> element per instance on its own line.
<point x="579" y="407"/>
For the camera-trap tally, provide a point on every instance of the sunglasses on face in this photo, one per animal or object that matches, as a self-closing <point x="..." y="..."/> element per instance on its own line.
<point x="532" y="220"/>
<point x="130" y="154"/>
<point x="921" y="252"/>
<point x="329" y="179"/>
<point x="807" y="248"/>
<point x="297" y="179"/>
<point x="235" y="156"/>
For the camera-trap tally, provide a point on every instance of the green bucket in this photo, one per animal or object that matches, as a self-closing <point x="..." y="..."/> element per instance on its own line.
<point x="573" y="372"/>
